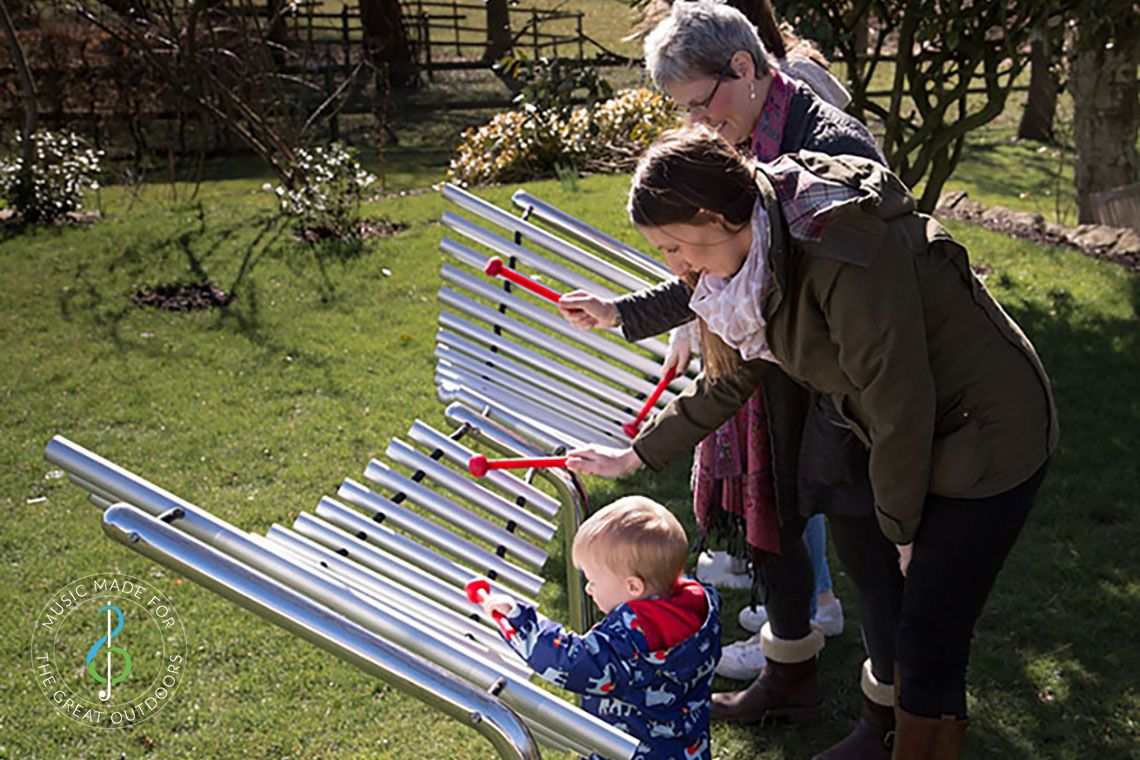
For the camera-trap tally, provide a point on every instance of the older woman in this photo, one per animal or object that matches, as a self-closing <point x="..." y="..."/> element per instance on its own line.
<point x="822" y="267"/>
<point x="790" y="453"/>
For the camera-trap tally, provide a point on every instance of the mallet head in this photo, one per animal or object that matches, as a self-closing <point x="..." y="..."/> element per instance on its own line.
<point x="493" y="266"/>
<point x="478" y="465"/>
<point x="631" y="429"/>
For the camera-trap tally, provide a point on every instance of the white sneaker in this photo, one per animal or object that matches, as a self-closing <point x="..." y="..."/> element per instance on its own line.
<point x="753" y="618"/>
<point x="742" y="660"/>
<point x="722" y="570"/>
<point x="829" y="618"/>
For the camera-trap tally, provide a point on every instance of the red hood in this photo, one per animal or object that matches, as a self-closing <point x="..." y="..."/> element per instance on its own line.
<point x="668" y="622"/>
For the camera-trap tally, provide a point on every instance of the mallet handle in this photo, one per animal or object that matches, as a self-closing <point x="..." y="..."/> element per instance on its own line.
<point x="495" y="267"/>
<point x="479" y="465"/>
<point x="632" y="427"/>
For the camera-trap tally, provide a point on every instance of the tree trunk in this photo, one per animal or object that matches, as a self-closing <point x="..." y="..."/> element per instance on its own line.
<point x="28" y="87"/>
<point x="1044" y="83"/>
<point x="1106" y="114"/>
<point x="387" y="40"/>
<point x="498" y="30"/>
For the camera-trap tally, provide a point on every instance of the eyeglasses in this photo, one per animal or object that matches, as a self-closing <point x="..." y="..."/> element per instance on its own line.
<point x="699" y="108"/>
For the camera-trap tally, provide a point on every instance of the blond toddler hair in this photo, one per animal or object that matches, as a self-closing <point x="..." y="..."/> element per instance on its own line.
<point x="635" y="536"/>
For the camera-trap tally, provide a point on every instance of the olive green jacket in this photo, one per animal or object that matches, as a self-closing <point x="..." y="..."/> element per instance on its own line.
<point x="884" y="315"/>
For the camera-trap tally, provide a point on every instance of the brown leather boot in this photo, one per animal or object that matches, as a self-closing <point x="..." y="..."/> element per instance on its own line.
<point x="787" y="691"/>
<point x="919" y="738"/>
<point x="871" y="739"/>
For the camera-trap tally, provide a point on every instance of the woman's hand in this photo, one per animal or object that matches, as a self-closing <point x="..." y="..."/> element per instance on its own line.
<point x="603" y="460"/>
<point x="681" y="349"/>
<point x="500" y="603"/>
<point x="905" y="551"/>
<point x="587" y="311"/>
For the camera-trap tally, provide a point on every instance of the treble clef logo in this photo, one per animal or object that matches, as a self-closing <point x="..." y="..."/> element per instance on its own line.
<point x="105" y="694"/>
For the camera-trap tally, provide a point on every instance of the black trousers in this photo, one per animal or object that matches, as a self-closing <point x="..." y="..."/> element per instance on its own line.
<point x="927" y="621"/>
<point x="787" y="583"/>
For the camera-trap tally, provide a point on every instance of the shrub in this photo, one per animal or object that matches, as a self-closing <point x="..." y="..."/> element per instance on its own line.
<point x="608" y="137"/>
<point x="329" y="185"/>
<point x="61" y="170"/>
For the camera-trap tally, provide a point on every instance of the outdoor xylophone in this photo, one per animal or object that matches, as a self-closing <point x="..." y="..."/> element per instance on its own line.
<point x="379" y="576"/>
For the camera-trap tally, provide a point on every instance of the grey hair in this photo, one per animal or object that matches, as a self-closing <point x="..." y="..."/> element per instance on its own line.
<point x="697" y="39"/>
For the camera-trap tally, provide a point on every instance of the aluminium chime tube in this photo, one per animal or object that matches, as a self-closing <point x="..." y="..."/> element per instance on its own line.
<point x="511" y="250"/>
<point x="544" y="438"/>
<point x="585" y="732"/>
<point x="528" y="388"/>
<point x="394" y="599"/>
<point x="571" y="494"/>
<point x="595" y="238"/>
<point x="621" y="398"/>
<point x="551" y="321"/>
<point x="487" y="500"/>
<point x="290" y="609"/>
<point x="477" y="260"/>
<point x="541" y="237"/>
<point x="352" y="535"/>
<point x="535" y="337"/>
<point x="525" y="494"/>
<point x="483" y="561"/>
<point x="321" y="605"/>
<point x="555" y="421"/>
<point x="503" y="543"/>
<point x="558" y="384"/>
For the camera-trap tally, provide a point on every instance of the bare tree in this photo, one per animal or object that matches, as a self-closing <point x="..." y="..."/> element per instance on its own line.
<point x="387" y="40"/>
<point x="1106" y="111"/>
<point x="955" y="62"/>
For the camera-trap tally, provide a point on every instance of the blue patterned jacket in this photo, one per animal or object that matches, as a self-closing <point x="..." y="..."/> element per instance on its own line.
<point x="659" y="697"/>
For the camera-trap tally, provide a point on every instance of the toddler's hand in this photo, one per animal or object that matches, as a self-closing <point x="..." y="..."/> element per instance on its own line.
<point x="500" y="603"/>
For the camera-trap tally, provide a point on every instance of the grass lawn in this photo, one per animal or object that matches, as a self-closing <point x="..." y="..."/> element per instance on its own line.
<point x="256" y="411"/>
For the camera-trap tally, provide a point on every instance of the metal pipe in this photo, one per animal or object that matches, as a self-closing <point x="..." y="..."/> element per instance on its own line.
<point x="455" y="452"/>
<point x="585" y="731"/>
<point x="541" y="237"/>
<point x="619" y="398"/>
<point x="554" y="421"/>
<point x="591" y="236"/>
<point x="558" y="384"/>
<point x="538" y="435"/>
<point x="350" y="534"/>
<point x="550" y="320"/>
<point x="487" y="500"/>
<point x="408" y="605"/>
<point x="586" y="416"/>
<point x="501" y="245"/>
<point x="571" y="494"/>
<point x="289" y="609"/>
<point x="502" y="542"/>
<point x="484" y="562"/>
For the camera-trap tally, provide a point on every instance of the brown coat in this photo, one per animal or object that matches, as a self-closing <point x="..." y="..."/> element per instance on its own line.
<point x="884" y="315"/>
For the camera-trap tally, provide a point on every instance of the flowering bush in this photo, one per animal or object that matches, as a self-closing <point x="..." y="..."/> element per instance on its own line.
<point x="608" y="137"/>
<point x="329" y="186"/>
<point x="61" y="169"/>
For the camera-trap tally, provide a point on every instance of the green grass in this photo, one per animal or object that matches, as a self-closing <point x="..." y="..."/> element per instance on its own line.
<point x="257" y="411"/>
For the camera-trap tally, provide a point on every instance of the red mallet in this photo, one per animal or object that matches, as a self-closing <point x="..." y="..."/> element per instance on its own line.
<point x="495" y="268"/>
<point x="631" y="428"/>
<point x="477" y="590"/>
<point x="479" y="465"/>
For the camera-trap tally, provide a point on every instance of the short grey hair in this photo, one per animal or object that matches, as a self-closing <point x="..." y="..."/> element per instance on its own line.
<point x="697" y="39"/>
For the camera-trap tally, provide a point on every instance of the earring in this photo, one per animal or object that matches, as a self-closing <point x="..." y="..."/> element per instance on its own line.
<point x="752" y="92"/>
